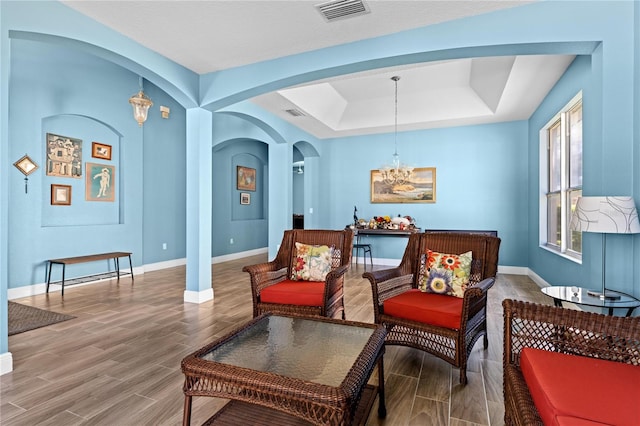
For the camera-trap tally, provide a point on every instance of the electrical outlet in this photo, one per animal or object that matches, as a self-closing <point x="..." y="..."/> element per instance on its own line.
<point x="310" y="210"/>
<point x="231" y="241"/>
<point x="164" y="246"/>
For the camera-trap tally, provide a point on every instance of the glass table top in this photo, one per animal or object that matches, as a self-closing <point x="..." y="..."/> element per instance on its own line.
<point x="580" y="296"/>
<point x="316" y="351"/>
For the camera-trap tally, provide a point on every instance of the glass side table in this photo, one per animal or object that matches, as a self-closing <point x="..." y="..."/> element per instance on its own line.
<point x="581" y="296"/>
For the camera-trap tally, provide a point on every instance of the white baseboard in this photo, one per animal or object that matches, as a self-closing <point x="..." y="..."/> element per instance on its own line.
<point x="239" y="255"/>
<point x="537" y="279"/>
<point x="164" y="265"/>
<point x="6" y="363"/>
<point x="513" y="270"/>
<point x="198" y="296"/>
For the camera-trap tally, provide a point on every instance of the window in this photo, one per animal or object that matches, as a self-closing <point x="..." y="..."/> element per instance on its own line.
<point x="561" y="178"/>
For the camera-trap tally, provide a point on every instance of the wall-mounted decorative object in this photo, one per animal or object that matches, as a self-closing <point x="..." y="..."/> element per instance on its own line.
<point x="245" y="198"/>
<point x="164" y="111"/>
<point x="100" y="150"/>
<point x="420" y="188"/>
<point x="64" y="156"/>
<point x="246" y="178"/>
<point x="27" y="166"/>
<point x="60" y="195"/>
<point x="100" y="182"/>
<point x="141" y="104"/>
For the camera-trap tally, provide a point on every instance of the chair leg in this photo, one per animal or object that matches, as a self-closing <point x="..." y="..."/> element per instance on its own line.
<point x="463" y="375"/>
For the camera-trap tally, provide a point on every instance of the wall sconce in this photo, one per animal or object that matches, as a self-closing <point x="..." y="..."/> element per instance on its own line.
<point x="27" y="166"/>
<point x="141" y="104"/>
<point x="164" y="111"/>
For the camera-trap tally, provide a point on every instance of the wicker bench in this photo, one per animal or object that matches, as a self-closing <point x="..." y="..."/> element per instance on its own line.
<point x="115" y="255"/>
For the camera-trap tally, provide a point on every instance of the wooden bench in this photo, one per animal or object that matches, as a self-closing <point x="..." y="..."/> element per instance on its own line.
<point x="116" y="255"/>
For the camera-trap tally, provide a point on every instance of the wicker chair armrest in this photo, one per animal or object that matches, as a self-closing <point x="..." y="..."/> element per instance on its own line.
<point x="262" y="267"/>
<point x="264" y="275"/>
<point x="479" y="289"/>
<point x="382" y="275"/>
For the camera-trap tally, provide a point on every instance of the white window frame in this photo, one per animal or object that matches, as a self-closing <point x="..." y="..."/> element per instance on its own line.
<point x="544" y="183"/>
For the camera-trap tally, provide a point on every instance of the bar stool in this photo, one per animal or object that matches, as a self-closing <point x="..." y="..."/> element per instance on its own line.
<point x="366" y="248"/>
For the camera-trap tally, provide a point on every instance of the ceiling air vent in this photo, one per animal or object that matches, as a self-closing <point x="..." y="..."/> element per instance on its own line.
<point x="295" y="112"/>
<point x="341" y="9"/>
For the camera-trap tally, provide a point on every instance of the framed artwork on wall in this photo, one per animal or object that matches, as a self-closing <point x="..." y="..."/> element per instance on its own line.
<point x="245" y="178"/>
<point x="245" y="198"/>
<point x="420" y="187"/>
<point x="64" y="156"/>
<point x="60" y="195"/>
<point x="100" y="150"/>
<point x="100" y="182"/>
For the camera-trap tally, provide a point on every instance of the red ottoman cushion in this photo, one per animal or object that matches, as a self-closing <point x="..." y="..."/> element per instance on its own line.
<point x="302" y="293"/>
<point x="589" y="389"/>
<point x="428" y="308"/>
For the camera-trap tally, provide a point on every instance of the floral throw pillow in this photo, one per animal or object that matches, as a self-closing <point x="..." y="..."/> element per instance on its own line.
<point x="312" y="263"/>
<point x="446" y="273"/>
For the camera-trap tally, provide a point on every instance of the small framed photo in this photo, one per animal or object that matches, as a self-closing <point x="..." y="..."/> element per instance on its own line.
<point x="26" y="165"/>
<point x="100" y="150"/>
<point x="246" y="178"/>
<point x="60" y="195"/>
<point x="245" y="198"/>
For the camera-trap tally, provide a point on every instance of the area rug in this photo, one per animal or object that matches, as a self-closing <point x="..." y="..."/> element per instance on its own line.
<point x="24" y="318"/>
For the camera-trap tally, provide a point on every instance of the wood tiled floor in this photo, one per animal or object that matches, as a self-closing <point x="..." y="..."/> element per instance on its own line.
<point x="118" y="362"/>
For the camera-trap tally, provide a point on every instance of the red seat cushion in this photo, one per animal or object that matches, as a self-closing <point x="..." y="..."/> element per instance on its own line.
<point x="592" y="390"/>
<point x="428" y="308"/>
<point x="302" y="293"/>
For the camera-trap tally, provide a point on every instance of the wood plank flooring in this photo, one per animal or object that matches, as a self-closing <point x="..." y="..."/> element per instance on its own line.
<point x="118" y="362"/>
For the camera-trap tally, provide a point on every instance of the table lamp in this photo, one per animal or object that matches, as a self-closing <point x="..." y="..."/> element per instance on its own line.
<point x="605" y="215"/>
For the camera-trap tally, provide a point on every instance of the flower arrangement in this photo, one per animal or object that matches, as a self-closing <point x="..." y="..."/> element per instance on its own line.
<point x="386" y="222"/>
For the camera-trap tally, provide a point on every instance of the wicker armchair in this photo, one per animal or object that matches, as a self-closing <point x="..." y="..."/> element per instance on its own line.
<point x="451" y="344"/>
<point x="558" y="330"/>
<point x="279" y="270"/>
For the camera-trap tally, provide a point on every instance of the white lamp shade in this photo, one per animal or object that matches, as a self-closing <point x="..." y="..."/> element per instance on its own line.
<point x="605" y="215"/>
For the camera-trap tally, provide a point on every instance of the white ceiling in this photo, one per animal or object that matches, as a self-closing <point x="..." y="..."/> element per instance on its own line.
<point x="207" y="36"/>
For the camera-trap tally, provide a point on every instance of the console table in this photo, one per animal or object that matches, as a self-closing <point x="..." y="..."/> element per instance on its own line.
<point x="386" y="232"/>
<point x="116" y="255"/>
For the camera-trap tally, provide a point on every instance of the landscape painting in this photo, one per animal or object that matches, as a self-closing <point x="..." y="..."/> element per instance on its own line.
<point x="420" y="187"/>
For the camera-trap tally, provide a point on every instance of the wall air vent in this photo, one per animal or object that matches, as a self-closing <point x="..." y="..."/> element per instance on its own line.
<point x="342" y="9"/>
<point x="295" y="112"/>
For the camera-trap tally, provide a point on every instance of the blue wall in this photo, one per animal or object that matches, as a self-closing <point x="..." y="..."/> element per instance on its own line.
<point x="58" y="90"/>
<point x="245" y="224"/>
<point x="481" y="183"/>
<point x="164" y="163"/>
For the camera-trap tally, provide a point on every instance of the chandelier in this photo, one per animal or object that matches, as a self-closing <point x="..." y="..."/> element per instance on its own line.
<point x="140" y="103"/>
<point x="396" y="173"/>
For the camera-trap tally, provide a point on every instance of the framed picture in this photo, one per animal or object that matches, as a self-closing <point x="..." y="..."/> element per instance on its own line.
<point x="100" y="150"/>
<point x="420" y="187"/>
<point x="60" y="195"/>
<point x="246" y="178"/>
<point x="245" y="198"/>
<point x="64" y="156"/>
<point x="26" y="165"/>
<point x="100" y="182"/>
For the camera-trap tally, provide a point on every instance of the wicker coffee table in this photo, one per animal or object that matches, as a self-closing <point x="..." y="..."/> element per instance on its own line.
<point x="311" y="370"/>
